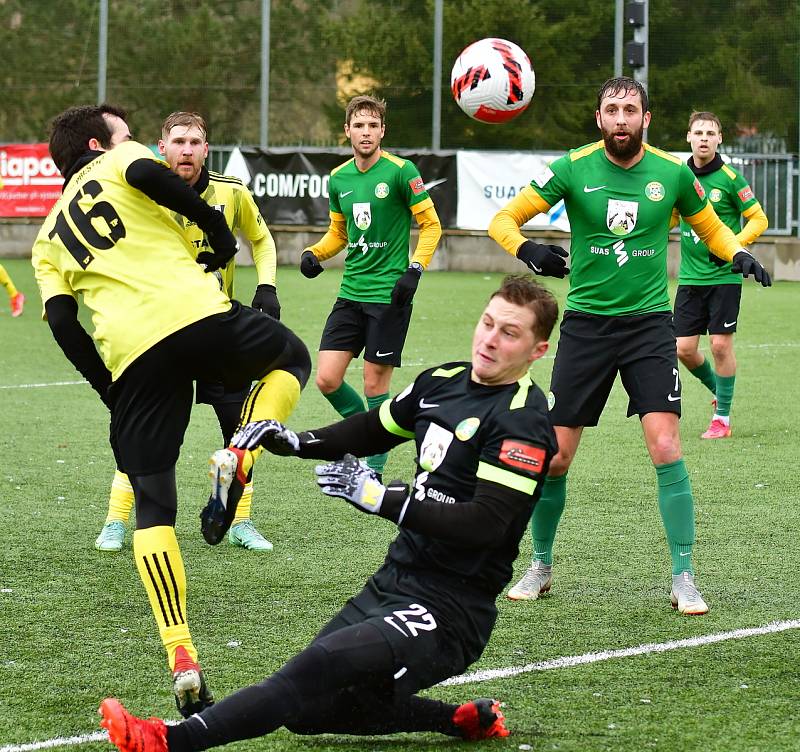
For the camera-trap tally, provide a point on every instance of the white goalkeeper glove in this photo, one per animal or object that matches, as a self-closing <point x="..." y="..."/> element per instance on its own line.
<point x="270" y="434"/>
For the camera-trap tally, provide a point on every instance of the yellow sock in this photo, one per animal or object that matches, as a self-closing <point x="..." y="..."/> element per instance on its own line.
<point x="5" y="280"/>
<point x="120" y="500"/>
<point x="158" y="559"/>
<point x="275" y="396"/>
<point x="243" y="507"/>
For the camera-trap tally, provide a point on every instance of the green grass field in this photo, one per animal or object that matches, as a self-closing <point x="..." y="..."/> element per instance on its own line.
<point x="75" y="625"/>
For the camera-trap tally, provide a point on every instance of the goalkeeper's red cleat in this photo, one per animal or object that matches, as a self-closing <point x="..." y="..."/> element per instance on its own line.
<point x="480" y="719"/>
<point x="129" y="733"/>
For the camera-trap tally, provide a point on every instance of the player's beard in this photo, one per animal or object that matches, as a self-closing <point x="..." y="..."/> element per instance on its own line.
<point x="626" y="150"/>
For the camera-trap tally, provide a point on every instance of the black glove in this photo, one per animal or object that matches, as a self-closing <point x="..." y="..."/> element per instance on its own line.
<point x="224" y="247"/>
<point x="266" y="300"/>
<point x="406" y="285"/>
<point x="547" y="260"/>
<point x="309" y="265"/>
<point x="744" y="263"/>
<point x="270" y="434"/>
<point x="352" y="480"/>
<point x="716" y="260"/>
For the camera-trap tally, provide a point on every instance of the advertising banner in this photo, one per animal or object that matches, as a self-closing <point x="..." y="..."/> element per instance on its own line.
<point x="291" y="187"/>
<point x="29" y="182"/>
<point x="487" y="181"/>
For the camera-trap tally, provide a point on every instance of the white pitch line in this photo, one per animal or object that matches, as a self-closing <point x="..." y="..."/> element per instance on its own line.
<point x="607" y="655"/>
<point x="502" y="673"/>
<point x="36" y="386"/>
<point x="59" y="741"/>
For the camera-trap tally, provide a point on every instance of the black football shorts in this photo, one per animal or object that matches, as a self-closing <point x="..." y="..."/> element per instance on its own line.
<point x="592" y="350"/>
<point x="152" y="400"/>
<point x="707" y="308"/>
<point x="379" y="329"/>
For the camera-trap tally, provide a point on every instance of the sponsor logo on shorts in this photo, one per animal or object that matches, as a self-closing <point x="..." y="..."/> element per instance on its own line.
<point x="522" y="456"/>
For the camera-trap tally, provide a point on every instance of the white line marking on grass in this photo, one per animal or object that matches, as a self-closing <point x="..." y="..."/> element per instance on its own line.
<point x="59" y="741"/>
<point x="606" y="655"/>
<point x="35" y="386"/>
<point x="502" y="673"/>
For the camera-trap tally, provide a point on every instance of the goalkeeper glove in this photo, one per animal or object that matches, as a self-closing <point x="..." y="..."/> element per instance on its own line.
<point x="352" y="480"/>
<point x="547" y="260"/>
<point x="406" y="285"/>
<point x="744" y="263"/>
<point x="270" y="434"/>
<point x="266" y="300"/>
<point x="309" y="265"/>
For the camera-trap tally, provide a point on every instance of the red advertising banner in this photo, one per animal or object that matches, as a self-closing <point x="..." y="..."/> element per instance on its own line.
<point x="29" y="182"/>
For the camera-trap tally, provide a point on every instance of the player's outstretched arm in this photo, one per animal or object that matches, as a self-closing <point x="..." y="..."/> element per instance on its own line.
<point x="361" y="434"/>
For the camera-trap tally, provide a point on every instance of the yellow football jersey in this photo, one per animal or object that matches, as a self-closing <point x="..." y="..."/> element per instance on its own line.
<point x="116" y="248"/>
<point x="230" y="196"/>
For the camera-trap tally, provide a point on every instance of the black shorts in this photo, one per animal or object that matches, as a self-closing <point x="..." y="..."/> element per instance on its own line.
<point x="434" y="632"/>
<point x="706" y="308"/>
<point x="379" y="329"/>
<point x="214" y="393"/>
<point x="152" y="400"/>
<point x="593" y="349"/>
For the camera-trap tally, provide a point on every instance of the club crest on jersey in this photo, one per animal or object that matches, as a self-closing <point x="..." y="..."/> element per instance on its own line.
<point x="381" y="190"/>
<point x="715" y="194"/>
<point x="466" y="429"/>
<point x="434" y="447"/>
<point x="654" y="191"/>
<point x="362" y="214"/>
<point x="621" y="216"/>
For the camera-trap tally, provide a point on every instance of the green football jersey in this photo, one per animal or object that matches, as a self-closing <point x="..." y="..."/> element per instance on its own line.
<point x="730" y="195"/>
<point x="619" y="220"/>
<point x="376" y="206"/>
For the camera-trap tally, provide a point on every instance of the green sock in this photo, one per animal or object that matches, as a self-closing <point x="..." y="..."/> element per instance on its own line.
<point x="545" y="518"/>
<point x="724" y="394"/>
<point x="705" y="373"/>
<point x="345" y="400"/>
<point x="676" y="505"/>
<point x="377" y="461"/>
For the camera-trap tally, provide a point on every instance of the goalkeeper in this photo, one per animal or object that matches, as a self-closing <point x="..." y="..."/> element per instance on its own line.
<point x="484" y="443"/>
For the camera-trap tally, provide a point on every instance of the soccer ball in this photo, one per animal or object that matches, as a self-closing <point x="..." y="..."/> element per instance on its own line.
<point x="492" y="80"/>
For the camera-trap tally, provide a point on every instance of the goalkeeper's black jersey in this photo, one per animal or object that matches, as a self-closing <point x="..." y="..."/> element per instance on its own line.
<point x="466" y="432"/>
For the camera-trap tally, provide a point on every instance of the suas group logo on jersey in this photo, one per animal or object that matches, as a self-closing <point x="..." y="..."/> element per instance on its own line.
<point x="381" y="190"/>
<point x="362" y="214"/>
<point x="621" y="216"/>
<point x="654" y="191"/>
